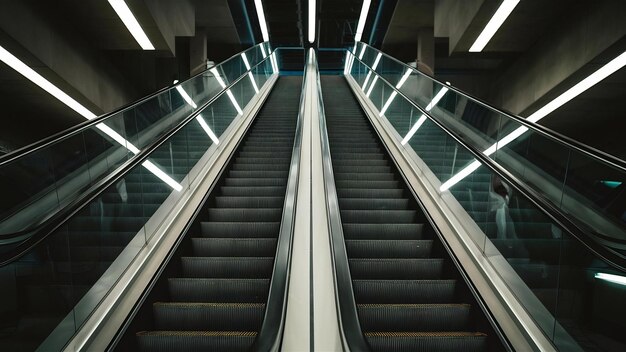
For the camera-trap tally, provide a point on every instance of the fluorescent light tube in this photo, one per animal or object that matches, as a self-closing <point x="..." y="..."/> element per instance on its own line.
<point x="414" y="129"/>
<point x="461" y="175"/>
<point x="616" y="279"/>
<point x="422" y="118"/>
<point x="388" y="103"/>
<point x="44" y="84"/>
<point x="362" y="52"/>
<point x="605" y="71"/>
<point x="228" y="92"/>
<point x="404" y="78"/>
<point x="185" y="96"/>
<point x="122" y="10"/>
<point x="247" y="64"/>
<point x="261" y="15"/>
<point x="273" y="61"/>
<point x="494" y="24"/>
<point x="312" y="9"/>
<point x="367" y="78"/>
<point x="207" y="129"/>
<point x="372" y="86"/>
<point x="162" y="175"/>
<point x="362" y="18"/>
<point x="263" y="50"/>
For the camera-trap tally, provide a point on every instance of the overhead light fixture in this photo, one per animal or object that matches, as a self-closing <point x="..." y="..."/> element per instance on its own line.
<point x="602" y="73"/>
<point x="616" y="279"/>
<point x="228" y="92"/>
<point x="53" y="90"/>
<point x="422" y="118"/>
<point x="494" y="24"/>
<point x="247" y="64"/>
<point x="261" y="15"/>
<point x="312" y="9"/>
<point x="362" y="18"/>
<point x="122" y="10"/>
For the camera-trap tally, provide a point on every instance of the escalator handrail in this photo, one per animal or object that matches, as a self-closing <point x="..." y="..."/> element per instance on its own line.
<point x="42" y="230"/>
<point x="583" y="234"/>
<point x="349" y="325"/>
<point x="65" y="134"/>
<point x="589" y="151"/>
<point x="271" y="332"/>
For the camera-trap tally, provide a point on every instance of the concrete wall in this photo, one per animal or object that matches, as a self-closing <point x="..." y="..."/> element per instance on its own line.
<point x="65" y="54"/>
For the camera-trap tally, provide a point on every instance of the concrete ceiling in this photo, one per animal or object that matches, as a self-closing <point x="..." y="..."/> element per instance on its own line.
<point x="99" y="30"/>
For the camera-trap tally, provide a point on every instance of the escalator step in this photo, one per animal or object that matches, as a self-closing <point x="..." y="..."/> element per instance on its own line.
<point x="218" y="290"/>
<point x="370" y="204"/>
<point x="234" y="247"/>
<point x="249" y="202"/>
<point x="370" y="193"/>
<point x="208" y="316"/>
<point x="195" y="341"/>
<point x="227" y="267"/>
<point x="379" y="216"/>
<point x="383" y="231"/>
<point x="414" y="317"/>
<point x="240" y="229"/>
<point x="427" y="341"/>
<point x="365" y="176"/>
<point x="267" y="191"/>
<point x="396" y="269"/>
<point x="250" y="214"/>
<point x="389" y="249"/>
<point x="404" y="291"/>
<point x="254" y="182"/>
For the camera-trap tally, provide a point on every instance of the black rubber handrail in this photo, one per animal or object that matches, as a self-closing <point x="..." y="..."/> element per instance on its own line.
<point x="65" y="134"/>
<point x="568" y="142"/>
<point x="271" y="333"/>
<point x="41" y="231"/>
<point x="348" y="318"/>
<point x="577" y="230"/>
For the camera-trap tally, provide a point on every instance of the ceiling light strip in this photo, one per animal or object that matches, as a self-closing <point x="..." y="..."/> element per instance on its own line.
<point x="261" y="15"/>
<point x="129" y="20"/>
<point x="602" y="73"/>
<point x="494" y="24"/>
<point x="312" y="8"/>
<point x="44" y="84"/>
<point x="362" y="18"/>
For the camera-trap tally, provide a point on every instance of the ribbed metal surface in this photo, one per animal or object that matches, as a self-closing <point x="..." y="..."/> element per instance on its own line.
<point x="217" y="299"/>
<point x="406" y="294"/>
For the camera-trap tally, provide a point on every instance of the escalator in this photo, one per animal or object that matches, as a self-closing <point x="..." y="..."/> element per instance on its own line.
<point x="213" y="293"/>
<point x="408" y="293"/>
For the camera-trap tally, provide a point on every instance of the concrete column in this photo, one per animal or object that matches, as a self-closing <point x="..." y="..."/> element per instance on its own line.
<point x="197" y="52"/>
<point x="426" y="50"/>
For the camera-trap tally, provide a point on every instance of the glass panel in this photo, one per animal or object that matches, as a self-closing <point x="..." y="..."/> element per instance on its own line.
<point x="56" y="286"/>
